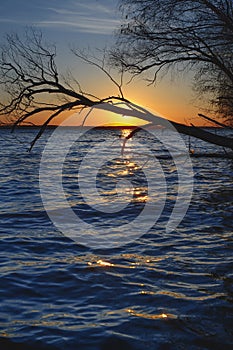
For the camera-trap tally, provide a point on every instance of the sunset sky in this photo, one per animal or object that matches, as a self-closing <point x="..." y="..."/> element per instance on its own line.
<point x="91" y="24"/>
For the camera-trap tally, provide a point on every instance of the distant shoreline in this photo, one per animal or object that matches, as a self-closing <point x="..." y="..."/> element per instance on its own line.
<point x="117" y="127"/>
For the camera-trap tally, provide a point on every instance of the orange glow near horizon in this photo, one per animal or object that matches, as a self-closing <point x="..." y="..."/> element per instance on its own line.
<point x="99" y="118"/>
<point x="166" y="101"/>
<point x="104" y="118"/>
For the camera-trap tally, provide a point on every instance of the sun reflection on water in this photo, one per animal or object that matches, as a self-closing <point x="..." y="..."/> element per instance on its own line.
<point x="151" y="316"/>
<point x="101" y="262"/>
<point x="125" y="132"/>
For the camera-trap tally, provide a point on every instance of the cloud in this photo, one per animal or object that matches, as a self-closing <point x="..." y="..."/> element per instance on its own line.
<point x="84" y="25"/>
<point x="92" y="16"/>
<point x="89" y="17"/>
<point x="12" y="20"/>
<point x="107" y="8"/>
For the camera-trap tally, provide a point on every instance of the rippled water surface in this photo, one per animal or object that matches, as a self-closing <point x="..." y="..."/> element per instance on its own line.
<point x="164" y="290"/>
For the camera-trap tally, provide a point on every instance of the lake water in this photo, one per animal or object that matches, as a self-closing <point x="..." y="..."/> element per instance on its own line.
<point x="158" y="290"/>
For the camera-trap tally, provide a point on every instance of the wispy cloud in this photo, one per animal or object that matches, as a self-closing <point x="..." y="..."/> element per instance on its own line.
<point x="96" y="6"/>
<point x="89" y="17"/>
<point x="84" y="25"/>
<point x="12" y="20"/>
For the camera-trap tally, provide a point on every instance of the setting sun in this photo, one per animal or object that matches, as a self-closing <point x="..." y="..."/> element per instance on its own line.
<point x="95" y="117"/>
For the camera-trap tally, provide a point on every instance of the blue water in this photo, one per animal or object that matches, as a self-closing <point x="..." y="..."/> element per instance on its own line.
<point x="165" y="290"/>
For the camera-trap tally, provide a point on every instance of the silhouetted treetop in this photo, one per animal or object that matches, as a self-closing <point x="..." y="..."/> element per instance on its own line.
<point x="33" y="85"/>
<point x="158" y="35"/>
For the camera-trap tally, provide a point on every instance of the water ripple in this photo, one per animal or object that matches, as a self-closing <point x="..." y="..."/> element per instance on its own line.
<point x="163" y="291"/>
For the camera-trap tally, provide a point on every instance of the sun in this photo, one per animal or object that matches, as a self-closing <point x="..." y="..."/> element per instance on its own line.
<point x="98" y="118"/>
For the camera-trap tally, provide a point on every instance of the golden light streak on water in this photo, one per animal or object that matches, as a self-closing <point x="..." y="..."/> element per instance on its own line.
<point x="151" y="317"/>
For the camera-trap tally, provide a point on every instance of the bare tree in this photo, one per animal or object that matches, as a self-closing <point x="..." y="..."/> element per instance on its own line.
<point x="33" y="85"/>
<point x="158" y="35"/>
<point x="218" y="90"/>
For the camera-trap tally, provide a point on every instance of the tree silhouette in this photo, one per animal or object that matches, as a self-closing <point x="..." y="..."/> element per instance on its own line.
<point x="159" y="35"/>
<point x="33" y="85"/>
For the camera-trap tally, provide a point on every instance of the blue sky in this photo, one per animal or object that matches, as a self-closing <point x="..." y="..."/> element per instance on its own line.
<point x="91" y="24"/>
<point x="85" y="24"/>
<point x="83" y="20"/>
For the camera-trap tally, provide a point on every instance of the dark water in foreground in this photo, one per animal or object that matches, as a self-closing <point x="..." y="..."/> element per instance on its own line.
<point x="163" y="291"/>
